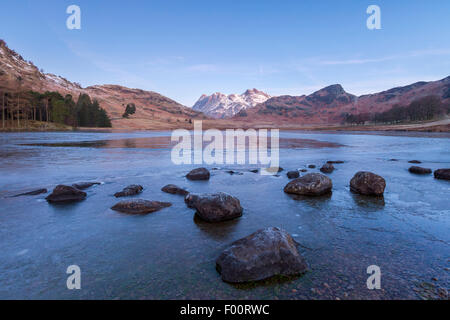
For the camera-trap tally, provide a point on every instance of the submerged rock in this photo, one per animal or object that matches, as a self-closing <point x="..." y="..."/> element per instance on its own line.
<point x="63" y="193"/>
<point x="419" y="170"/>
<point x="140" y="206"/>
<point x="293" y="174"/>
<point x="303" y="170"/>
<point x="415" y="161"/>
<point x="31" y="193"/>
<point x="367" y="183"/>
<point x="173" y="189"/>
<point x="261" y="255"/>
<point x="254" y="170"/>
<point x="231" y="172"/>
<point x="131" y="190"/>
<point x="198" y="174"/>
<point x="274" y="169"/>
<point x="84" y="185"/>
<point x="335" y="161"/>
<point x="327" y="168"/>
<point x="443" y="174"/>
<point x="311" y="184"/>
<point x="214" y="207"/>
<point x="312" y="166"/>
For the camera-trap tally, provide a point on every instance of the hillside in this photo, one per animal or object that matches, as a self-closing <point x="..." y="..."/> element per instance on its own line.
<point x="154" y="111"/>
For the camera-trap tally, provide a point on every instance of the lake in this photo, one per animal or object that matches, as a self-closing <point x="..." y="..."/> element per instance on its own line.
<point x="170" y="254"/>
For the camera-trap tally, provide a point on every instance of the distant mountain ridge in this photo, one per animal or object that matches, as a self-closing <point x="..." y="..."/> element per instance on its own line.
<point x="330" y="104"/>
<point x="219" y="105"/>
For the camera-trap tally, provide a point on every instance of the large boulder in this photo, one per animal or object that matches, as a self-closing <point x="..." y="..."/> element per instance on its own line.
<point x="419" y="170"/>
<point x="367" y="183"/>
<point x="198" y="174"/>
<point x="214" y="207"/>
<point x="442" y="174"/>
<point x="140" y="206"/>
<point x="131" y="190"/>
<point x="293" y="174"/>
<point x="261" y="255"/>
<point x="63" y="193"/>
<point x="311" y="184"/>
<point x="327" y="168"/>
<point x="84" y="185"/>
<point x="173" y="189"/>
<point x="31" y="193"/>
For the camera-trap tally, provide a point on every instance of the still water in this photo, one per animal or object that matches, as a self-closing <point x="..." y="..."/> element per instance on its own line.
<point x="171" y="255"/>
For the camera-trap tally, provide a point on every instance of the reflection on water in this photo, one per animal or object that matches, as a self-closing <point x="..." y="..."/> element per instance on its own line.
<point x="170" y="254"/>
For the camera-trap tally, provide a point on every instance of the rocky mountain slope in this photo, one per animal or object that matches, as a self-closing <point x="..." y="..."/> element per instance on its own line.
<point x="154" y="111"/>
<point x="219" y="105"/>
<point x="329" y="105"/>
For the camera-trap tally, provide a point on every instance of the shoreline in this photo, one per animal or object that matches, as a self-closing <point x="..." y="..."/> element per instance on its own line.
<point x="442" y="126"/>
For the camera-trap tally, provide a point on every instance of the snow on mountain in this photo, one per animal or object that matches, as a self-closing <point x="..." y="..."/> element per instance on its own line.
<point x="219" y="105"/>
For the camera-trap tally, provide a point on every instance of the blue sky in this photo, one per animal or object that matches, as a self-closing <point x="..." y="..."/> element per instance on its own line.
<point x="183" y="49"/>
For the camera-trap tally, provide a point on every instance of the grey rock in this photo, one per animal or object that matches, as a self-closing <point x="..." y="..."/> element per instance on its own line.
<point x="214" y="207"/>
<point x="293" y="174"/>
<point x="327" y="168"/>
<point x="367" y="183"/>
<point x="31" y="193"/>
<point x="131" y="190"/>
<point x="311" y="184"/>
<point x="140" y="206"/>
<point x="261" y="255"/>
<point x="63" y="193"/>
<point x="84" y="185"/>
<point x="173" y="189"/>
<point x="419" y="170"/>
<point x="443" y="174"/>
<point x="198" y="174"/>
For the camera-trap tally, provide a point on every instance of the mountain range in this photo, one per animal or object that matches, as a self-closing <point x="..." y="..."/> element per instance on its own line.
<point x="155" y="111"/>
<point x="219" y="105"/>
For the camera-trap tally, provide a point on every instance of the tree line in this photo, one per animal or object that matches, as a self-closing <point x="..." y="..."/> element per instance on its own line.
<point x="18" y="108"/>
<point x="427" y="108"/>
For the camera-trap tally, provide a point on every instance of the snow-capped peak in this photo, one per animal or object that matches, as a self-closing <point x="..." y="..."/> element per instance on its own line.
<point x="219" y="105"/>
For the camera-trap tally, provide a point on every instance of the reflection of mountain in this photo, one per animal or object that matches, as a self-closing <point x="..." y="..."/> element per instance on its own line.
<point x="219" y="105"/>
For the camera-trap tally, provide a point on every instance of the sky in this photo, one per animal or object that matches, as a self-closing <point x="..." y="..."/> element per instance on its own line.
<point x="183" y="49"/>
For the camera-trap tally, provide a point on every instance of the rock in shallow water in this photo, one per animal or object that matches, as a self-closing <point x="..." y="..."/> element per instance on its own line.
<point x="367" y="183"/>
<point x="31" y="193"/>
<point x="63" y="193"/>
<point x="311" y="184"/>
<point x="198" y="174"/>
<point x="327" y="168"/>
<point x="293" y="174"/>
<point x="140" y="206"/>
<point x="415" y="161"/>
<point x="129" y="191"/>
<point x="443" y="174"/>
<point x="419" y="170"/>
<point x="214" y="207"/>
<point x="84" y="185"/>
<point x="174" y="189"/>
<point x="261" y="255"/>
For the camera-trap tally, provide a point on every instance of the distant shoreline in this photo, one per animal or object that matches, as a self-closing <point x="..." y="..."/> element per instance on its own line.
<point x="430" y="126"/>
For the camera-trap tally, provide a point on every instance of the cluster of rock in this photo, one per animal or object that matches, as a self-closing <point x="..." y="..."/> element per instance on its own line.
<point x="267" y="252"/>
